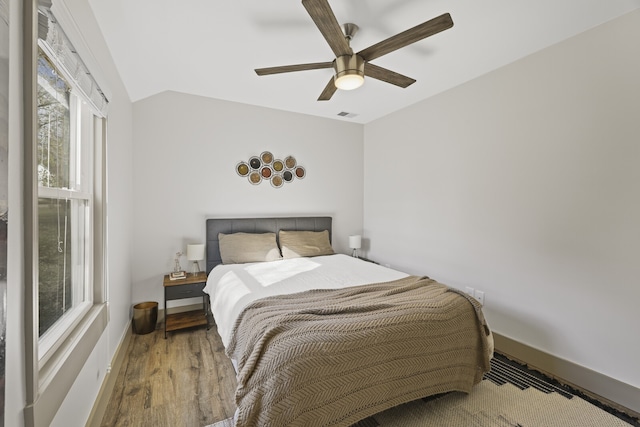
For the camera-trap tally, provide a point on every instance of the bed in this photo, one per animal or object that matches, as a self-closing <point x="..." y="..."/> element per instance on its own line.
<point x="319" y="338"/>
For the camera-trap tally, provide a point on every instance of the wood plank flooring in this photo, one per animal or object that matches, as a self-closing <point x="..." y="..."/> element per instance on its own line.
<point x="185" y="380"/>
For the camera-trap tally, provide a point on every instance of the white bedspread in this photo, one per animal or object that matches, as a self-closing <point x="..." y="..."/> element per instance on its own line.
<point x="232" y="287"/>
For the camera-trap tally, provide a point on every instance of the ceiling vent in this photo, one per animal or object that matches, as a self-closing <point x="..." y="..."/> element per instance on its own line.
<point x="347" y="114"/>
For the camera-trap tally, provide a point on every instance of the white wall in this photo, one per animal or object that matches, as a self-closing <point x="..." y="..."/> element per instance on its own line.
<point x="524" y="183"/>
<point x="77" y="406"/>
<point x="78" y="403"/>
<point x="186" y="150"/>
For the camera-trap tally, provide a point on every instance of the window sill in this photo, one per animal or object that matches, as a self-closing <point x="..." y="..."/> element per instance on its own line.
<point x="59" y="373"/>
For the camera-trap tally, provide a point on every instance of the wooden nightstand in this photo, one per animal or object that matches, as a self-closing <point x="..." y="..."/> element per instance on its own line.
<point x="191" y="287"/>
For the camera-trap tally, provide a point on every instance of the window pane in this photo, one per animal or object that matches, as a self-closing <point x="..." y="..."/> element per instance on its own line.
<point x="53" y="127"/>
<point x="61" y="258"/>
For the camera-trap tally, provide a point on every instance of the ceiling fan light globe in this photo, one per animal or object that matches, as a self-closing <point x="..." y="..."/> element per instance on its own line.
<point x="349" y="81"/>
<point x="349" y="72"/>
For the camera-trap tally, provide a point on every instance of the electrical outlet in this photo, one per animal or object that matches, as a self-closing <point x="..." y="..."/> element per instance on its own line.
<point x="469" y="290"/>
<point x="479" y="295"/>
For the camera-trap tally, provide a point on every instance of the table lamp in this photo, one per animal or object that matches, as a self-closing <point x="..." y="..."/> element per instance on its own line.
<point x="195" y="253"/>
<point x="354" y="243"/>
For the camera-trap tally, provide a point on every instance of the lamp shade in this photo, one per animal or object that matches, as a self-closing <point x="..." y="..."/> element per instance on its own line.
<point x="355" y="241"/>
<point x="195" y="252"/>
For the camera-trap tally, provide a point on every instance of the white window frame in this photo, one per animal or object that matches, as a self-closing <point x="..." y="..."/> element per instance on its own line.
<point x="50" y="374"/>
<point x="81" y="177"/>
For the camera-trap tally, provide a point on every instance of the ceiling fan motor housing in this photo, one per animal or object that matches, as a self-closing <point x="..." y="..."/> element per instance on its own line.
<point x="349" y="71"/>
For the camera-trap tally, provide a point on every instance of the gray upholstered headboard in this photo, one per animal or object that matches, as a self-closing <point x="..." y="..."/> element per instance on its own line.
<point x="257" y="225"/>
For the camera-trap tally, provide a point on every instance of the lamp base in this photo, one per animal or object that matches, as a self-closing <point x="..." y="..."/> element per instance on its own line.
<point x="195" y="269"/>
<point x="354" y="253"/>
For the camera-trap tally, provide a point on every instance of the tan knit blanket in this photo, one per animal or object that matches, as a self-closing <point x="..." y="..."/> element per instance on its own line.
<point x="334" y="357"/>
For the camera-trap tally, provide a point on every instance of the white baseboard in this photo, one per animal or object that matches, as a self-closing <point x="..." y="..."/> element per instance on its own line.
<point x="610" y="391"/>
<point x="108" y="384"/>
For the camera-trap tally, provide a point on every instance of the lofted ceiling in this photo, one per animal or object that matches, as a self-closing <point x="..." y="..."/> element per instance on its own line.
<point x="211" y="48"/>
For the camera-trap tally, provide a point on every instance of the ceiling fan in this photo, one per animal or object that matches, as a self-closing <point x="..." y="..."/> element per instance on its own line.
<point x="350" y="68"/>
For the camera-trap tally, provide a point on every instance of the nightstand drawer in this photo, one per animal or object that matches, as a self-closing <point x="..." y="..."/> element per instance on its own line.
<point x="184" y="291"/>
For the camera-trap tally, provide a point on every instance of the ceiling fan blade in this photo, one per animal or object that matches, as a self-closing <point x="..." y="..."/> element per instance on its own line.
<point x="405" y="38"/>
<point x="291" y="68"/>
<point x="326" y="21"/>
<point x="328" y="91"/>
<point x="388" y="76"/>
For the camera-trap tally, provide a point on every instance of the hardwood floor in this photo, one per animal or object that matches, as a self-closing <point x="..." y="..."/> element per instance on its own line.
<point x="185" y="380"/>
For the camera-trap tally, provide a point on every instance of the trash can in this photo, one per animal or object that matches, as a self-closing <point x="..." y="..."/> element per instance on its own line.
<point x="145" y="317"/>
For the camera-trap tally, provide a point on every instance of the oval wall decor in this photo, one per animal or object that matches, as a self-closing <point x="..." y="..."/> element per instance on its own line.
<point x="266" y="167"/>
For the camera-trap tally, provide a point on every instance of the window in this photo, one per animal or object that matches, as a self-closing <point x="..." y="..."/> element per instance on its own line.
<point x="64" y="169"/>
<point x="65" y="311"/>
